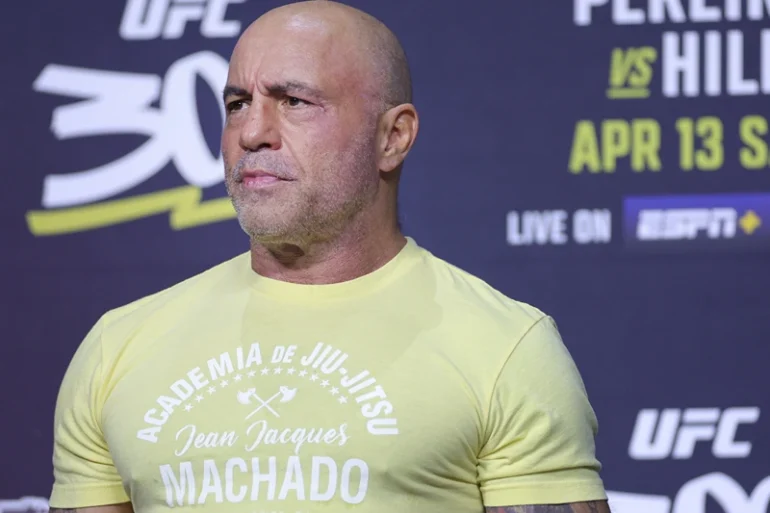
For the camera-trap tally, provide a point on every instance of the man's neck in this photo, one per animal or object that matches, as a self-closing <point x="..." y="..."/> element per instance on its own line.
<point x="346" y="257"/>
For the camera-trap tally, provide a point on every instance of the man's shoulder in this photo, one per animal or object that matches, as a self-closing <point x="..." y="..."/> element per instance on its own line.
<point x="468" y="295"/>
<point x="207" y="285"/>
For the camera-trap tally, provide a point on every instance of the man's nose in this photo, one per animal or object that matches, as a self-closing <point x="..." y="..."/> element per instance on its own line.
<point x="261" y="128"/>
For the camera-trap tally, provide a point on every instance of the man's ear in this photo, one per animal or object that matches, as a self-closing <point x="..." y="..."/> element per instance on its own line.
<point x="398" y="131"/>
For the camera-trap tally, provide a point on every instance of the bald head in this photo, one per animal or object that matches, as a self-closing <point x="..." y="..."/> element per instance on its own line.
<point x="367" y="41"/>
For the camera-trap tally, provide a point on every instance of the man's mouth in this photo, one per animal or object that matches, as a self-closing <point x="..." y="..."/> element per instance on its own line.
<point x="257" y="179"/>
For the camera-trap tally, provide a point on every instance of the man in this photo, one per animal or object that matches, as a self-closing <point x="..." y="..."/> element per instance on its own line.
<point x="336" y="366"/>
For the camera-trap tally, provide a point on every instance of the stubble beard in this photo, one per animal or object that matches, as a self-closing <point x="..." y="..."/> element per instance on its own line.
<point x="302" y="216"/>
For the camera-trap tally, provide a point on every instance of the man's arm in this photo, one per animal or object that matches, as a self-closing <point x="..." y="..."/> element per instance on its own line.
<point x="86" y="479"/>
<point x="539" y="452"/>
<point x="575" y="507"/>
<point x="112" y="508"/>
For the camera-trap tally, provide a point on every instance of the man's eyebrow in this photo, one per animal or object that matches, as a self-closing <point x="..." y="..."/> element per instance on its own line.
<point x="233" y="91"/>
<point x="292" y="86"/>
<point x="277" y="89"/>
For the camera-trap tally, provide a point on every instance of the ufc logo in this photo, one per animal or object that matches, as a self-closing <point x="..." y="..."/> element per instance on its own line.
<point x="674" y="432"/>
<point x="167" y="19"/>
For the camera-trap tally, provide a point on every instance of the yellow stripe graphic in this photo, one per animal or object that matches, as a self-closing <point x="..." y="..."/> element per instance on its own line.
<point x="184" y="204"/>
<point x="627" y="93"/>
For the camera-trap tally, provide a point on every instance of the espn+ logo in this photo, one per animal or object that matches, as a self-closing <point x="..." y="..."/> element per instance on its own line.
<point x="697" y="221"/>
<point x="686" y="223"/>
<point x="167" y="19"/>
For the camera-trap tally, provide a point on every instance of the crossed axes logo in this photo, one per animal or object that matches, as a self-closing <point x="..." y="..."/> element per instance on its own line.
<point x="286" y="394"/>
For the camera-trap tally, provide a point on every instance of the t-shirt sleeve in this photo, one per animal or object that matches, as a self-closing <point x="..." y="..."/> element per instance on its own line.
<point x="84" y="473"/>
<point x="539" y="441"/>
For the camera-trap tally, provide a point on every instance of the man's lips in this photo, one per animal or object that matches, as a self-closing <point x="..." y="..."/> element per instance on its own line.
<point x="258" y="178"/>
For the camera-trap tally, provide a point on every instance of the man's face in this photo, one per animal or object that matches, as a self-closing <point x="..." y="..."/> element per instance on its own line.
<point x="299" y="138"/>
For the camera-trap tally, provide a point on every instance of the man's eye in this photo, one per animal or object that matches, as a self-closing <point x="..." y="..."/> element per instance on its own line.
<point x="293" y="101"/>
<point x="235" y="105"/>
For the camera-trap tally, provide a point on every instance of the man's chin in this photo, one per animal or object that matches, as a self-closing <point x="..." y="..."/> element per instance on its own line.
<point x="264" y="228"/>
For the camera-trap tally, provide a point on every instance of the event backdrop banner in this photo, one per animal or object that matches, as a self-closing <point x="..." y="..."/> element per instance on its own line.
<point x="604" y="160"/>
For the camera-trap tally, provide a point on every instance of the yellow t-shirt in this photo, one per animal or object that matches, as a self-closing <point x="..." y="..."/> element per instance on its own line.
<point x="416" y="388"/>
